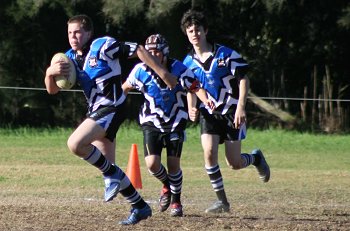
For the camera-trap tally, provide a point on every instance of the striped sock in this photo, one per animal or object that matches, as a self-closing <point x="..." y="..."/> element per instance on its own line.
<point x="215" y="177"/>
<point x="175" y="181"/>
<point x="161" y="175"/>
<point x="248" y="159"/>
<point x="217" y="182"/>
<point x="128" y="191"/>
<point x="99" y="161"/>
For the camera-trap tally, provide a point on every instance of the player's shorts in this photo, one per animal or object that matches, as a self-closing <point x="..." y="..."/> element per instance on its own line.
<point x="221" y="125"/>
<point x="155" y="141"/>
<point x="109" y="118"/>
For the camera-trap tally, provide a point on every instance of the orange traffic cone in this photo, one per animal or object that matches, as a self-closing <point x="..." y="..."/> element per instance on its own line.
<point x="133" y="170"/>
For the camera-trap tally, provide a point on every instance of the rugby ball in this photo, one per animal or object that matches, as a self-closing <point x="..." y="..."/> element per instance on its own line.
<point x="65" y="82"/>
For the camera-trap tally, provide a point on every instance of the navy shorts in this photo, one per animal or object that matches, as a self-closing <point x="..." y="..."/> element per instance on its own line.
<point x="221" y="125"/>
<point x="155" y="141"/>
<point x="109" y="118"/>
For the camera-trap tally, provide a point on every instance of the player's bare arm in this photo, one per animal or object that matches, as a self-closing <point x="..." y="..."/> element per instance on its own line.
<point x="202" y="95"/>
<point x="240" y="115"/>
<point x="169" y="79"/>
<point x="192" y="110"/>
<point x="58" y="68"/>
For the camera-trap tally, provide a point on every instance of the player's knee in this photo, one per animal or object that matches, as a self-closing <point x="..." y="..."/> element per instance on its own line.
<point x="152" y="167"/>
<point x="73" y="145"/>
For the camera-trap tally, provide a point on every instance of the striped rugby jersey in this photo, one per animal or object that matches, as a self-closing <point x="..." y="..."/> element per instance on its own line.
<point x="99" y="73"/>
<point x="219" y="76"/>
<point x="163" y="110"/>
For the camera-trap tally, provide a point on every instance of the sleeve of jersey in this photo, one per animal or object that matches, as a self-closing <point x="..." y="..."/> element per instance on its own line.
<point x="239" y="67"/>
<point x="115" y="49"/>
<point x="187" y="61"/>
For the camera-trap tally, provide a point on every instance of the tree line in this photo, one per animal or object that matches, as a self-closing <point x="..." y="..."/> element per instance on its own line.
<point x="296" y="49"/>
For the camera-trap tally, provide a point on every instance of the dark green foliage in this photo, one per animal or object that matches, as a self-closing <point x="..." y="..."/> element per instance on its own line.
<point x="284" y="41"/>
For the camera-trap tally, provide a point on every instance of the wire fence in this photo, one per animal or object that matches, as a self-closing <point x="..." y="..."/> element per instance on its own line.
<point x="35" y="107"/>
<point x="261" y="97"/>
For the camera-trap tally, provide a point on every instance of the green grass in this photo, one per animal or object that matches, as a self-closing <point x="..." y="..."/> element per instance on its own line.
<point x="309" y="176"/>
<point x="285" y="150"/>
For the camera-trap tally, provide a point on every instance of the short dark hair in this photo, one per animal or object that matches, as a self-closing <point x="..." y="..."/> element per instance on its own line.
<point x="193" y="17"/>
<point x="84" y="20"/>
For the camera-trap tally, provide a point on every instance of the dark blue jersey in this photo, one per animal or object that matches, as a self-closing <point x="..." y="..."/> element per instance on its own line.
<point x="219" y="76"/>
<point x="164" y="109"/>
<point x="99" y="73"/>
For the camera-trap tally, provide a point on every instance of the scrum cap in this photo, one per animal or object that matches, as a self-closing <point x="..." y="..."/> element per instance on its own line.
<point x="157" y="42"/>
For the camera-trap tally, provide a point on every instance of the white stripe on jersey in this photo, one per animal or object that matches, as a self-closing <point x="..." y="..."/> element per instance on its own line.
<point x="133" y="47"/>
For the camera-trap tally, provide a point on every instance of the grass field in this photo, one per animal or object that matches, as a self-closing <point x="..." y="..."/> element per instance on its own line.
<point x="44" y="187"/>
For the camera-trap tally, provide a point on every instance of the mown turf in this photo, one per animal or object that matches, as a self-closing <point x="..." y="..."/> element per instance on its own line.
<point x="44" y="187"/>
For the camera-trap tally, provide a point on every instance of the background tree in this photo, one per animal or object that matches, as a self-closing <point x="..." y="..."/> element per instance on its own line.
<point x="295" y="48"/>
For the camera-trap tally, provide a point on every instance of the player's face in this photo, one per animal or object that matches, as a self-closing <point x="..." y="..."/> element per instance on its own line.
<point x="157" y="54"/>
<point x="77" y="36"/>
<point x="196" y="35"/>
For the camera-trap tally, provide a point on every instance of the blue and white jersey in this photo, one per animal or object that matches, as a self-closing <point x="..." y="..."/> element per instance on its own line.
<point x="164" y="109"/>
<point x="219" y="76"/>
<point x="99" y="73"/>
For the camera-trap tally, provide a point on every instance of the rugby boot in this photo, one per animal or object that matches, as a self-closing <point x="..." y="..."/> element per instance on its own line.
<point x="136" y="215"/>
<point x="262" y="168"/>
<point x="176" y="209"/>
<point x="164" y="200"/>
<point x="218" y="207"/>
<point x="112" y="185"/>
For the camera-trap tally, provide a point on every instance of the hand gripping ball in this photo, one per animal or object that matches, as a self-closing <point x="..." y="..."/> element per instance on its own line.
<point x="65" y="82"/>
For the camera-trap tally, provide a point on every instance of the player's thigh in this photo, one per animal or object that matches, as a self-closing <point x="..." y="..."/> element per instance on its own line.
<point x="152" y="143"/>
<point x="152" y="146"/>
<point x="174" y="143"/>
<point x="87" y="132"/>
